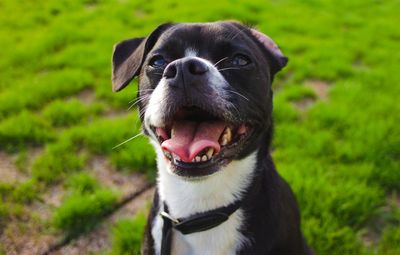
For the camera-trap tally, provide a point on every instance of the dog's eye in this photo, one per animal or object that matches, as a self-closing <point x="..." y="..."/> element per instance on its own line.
<point x="240" y="60"/>
<point x="158" y="61"/>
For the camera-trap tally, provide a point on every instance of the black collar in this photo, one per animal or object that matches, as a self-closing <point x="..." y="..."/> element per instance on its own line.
<point x="195" y="223"/>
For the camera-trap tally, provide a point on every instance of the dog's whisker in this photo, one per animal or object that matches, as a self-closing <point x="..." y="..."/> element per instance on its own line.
<point x="142" y="112"/>
<point x="128" y="140"/>
<point x="238" y="33"/>
<point x="228" y="68"/>
<point x="219" y="61"/>
<point x="234" y="107"/>
<point x="133" y="100"/>
<point x="133" y="105"/>
<point x="141" y="116"/>
<point x="237" y="93"/>
<point x="137" y="101"/>
<point x="141" y="90"/>
<point x="140" y="96"/>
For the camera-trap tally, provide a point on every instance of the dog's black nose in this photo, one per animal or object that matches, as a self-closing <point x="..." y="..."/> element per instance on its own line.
<point x="187" y="67"/>
<point x="170" y="72"/>
<point x="195" y="67"/>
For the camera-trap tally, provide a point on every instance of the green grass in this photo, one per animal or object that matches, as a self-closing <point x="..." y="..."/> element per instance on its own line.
<point x="25" y="192"/>
<point x="22" y="192"/>
<point x="295" y="92"/>
<point x="22" y="96"/>
<point x="127" y="235"/>
<point x="82" y="183"/>
<point x="81" y="213"/>
<point x="24" y="129"/>
<point x="340" y="154"/>
<point x="3" y="213"/>
<point x="12" y="199"/>
<point x="68" y="113"/>
<point x="390" y="241"/>
<point x="57" y="161"/>
<point x="84" y="207"/>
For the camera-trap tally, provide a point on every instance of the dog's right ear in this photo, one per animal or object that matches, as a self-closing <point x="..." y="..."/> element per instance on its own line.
<point x="128" y="57"/>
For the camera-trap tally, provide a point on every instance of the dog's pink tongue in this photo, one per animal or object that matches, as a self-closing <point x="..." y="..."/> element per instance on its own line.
<point x="189" y="138"/>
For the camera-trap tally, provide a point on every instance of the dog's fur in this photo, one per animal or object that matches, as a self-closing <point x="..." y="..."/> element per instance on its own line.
<point x="268" y="220"/>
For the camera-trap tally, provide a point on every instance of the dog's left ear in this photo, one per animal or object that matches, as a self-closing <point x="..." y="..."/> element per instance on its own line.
<point x="279" y="60"/>
<point x="128" y="57"/>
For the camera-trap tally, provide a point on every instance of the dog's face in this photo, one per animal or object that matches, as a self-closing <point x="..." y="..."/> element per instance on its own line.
<point x="204" y="91"/>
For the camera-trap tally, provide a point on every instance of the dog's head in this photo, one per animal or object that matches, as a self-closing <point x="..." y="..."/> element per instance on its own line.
<point x="204" y="91"/>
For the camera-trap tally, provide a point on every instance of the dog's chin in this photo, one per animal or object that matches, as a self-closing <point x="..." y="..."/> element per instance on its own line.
<point x="196" y="171"/>
<point x="192" y="175"/>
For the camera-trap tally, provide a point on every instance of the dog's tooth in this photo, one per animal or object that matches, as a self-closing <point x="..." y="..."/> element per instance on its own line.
<point x="167" y="154"/>
<point x="176" y="157"/>
<point x="198" y="158"/>
<point x="228" y="134"/>
<point x="204" y="158"/>
<point x="210" y="153"/>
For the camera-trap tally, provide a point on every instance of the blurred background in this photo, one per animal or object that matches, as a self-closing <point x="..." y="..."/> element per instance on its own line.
<point x="65" y="190"/>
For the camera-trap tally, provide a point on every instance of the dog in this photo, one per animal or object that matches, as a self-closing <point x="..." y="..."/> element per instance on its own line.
<point x="205" y="102"/>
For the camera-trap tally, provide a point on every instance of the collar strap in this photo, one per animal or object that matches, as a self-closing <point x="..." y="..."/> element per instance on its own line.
<point x="195" y="223"/>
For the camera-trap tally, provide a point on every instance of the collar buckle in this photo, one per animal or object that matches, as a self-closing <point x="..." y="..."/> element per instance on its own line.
<point x="165" y="215"/>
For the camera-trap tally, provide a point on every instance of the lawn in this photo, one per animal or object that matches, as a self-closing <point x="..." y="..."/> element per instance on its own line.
<point x="337" y="138"/>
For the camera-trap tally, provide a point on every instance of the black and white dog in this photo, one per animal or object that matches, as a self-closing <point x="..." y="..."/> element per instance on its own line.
<point x="205" y="100"/>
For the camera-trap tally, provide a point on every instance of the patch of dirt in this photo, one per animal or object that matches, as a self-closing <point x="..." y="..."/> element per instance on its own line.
<point x="114" y="179"/>
<point x="29" y="234"/>
<point x="115" y="113"/>
<point x="26" y="236"/>
<point x="370" y="239"/>
<point x="99" y="240"/>
<point x="32" y="154"/>
<point x="375" y="227"/>
<point x="304" y="104"/>
<point x="94" y="242"/>
<point x="321" y="88"/>
<point x="54" y="195"/>
<point x="127" y="184"/>
<point x="135" y="205"/>
<point x="86" y="96"/>
<point x="26" y="233"/>
<point x="9" y="173"/>
<point x="139" y="13"/>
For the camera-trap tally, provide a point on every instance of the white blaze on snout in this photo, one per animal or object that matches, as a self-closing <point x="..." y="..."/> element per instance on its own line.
<point x="159" y="103"/>
<point x="191" y="52"/>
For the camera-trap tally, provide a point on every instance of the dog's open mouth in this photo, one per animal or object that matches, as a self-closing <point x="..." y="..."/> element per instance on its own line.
<point x="196" y="139"/>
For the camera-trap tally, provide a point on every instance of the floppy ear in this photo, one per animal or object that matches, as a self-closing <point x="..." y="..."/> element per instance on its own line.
<point x="128" y="57"/>
<point x="279" y="59"/>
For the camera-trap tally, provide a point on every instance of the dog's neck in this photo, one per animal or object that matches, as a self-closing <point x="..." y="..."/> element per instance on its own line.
<point x="187" y="197"/>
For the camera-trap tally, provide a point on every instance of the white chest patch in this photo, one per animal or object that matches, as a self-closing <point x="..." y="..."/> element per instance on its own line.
<point x="185" y="198"/>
